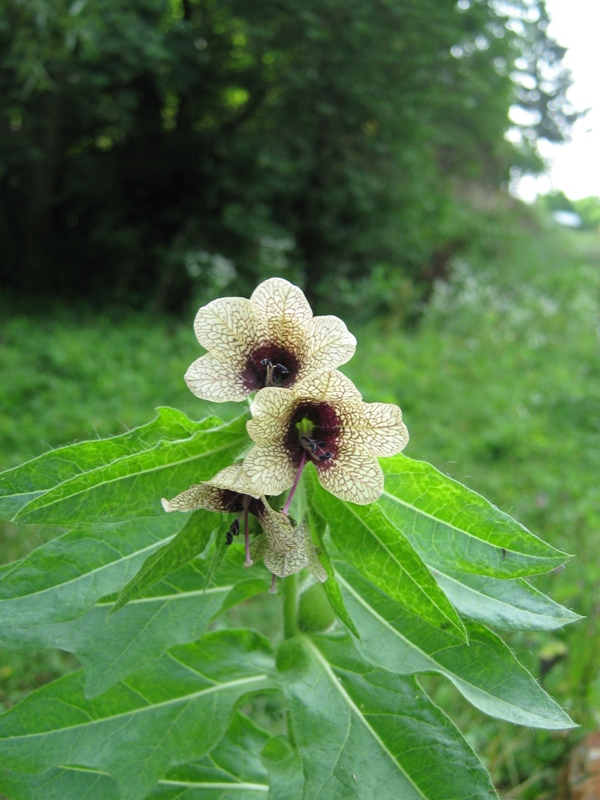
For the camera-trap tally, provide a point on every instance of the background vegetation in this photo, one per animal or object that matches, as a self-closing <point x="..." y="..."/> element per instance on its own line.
<point x="500" y="387"/>
<point x="155" y="154"/>
<point x="152" y="148"/>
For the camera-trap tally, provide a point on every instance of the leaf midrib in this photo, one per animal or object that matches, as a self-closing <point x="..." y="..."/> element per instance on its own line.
<point x="435" y="665"/>
<point x="464" y="532"/>
<point x="151" y="707"/>
<point x="420" y="589"/>
<point x="23" y="512"/>
<point x="352" y="705"/>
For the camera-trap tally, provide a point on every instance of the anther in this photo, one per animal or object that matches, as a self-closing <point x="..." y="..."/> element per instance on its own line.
<point x="233" y="531"/>
<point x="275" y="373"/>
<point x="315" y="447"/>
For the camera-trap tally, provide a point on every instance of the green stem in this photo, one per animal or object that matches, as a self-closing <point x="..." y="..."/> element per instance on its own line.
<point x="290" y="606"/>
<point x="290" y="629"/>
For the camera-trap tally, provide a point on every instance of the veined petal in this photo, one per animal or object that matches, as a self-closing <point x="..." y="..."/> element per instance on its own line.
<point x="288" y="563"/>
<point x="388" y="433"/>
<point x="277" y="527"/>
<point x="271" y="410"/>
<point x="330" y="344"/>
<point x="269" y="467"/>
<point x="374" y="429"/>
<point x="258" y="547"/>
<point x="201" y="495"/>
<point x="282" y="313"/>
<point x="234" y="479"/>
<point x="326" y="385"/>
<point x="352" y="476"/>
<point x="212" y="378"/>
<point x="227" y="326"/>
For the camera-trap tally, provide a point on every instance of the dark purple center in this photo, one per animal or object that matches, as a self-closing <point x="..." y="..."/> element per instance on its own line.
<point x="235" y="502"/>
<point x="318" y="441"/>
<point x="270" y="365"/>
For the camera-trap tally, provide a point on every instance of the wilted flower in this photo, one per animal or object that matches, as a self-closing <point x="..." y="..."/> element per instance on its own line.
<point x="323" y="419"/>
<point x="283" y="564"/>
<point x="270" y="340"/>
<point x="231" y="492"/>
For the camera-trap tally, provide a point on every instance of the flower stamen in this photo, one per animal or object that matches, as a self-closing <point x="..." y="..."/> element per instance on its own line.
<point x="273" y="587"/>
<point x="316" y="448"/>
<point x="233" y="531"/>
<point x="275" y="373"/>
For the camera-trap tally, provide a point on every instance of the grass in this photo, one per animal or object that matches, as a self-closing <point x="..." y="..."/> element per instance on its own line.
<point x="499" y="385"/>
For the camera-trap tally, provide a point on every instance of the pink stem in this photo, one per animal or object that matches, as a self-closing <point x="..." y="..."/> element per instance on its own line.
<point x="288" y="502"/>
<point x="248" y="562"/>
<point x="273" y="588"/>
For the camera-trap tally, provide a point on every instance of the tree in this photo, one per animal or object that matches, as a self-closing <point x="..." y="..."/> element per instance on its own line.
<point x="152" y="146"/>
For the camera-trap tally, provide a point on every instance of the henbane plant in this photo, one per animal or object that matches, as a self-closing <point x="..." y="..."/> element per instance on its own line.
<point x="305" y="493"/>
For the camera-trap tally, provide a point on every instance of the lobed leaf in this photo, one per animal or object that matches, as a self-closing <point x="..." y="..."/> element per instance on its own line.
<point x="485" y="671"/>
<point x="232" y="771"/>
<point x="66" y="576"/>
<point x="169" y="713"/>
<point x="365" y="538"/>
<point x="366" y="733"/>
<point x="284" y="764"/>
<point x="177" y="611"/>
<point x="130" y="486"/>
<point x="452" y="527"/>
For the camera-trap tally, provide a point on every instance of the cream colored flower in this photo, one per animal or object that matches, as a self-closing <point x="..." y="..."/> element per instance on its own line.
<point x="323" y="419"/>
<point x="270" y="340"/>
<point x="231" y="492"/>
<point x="284" y="564"/>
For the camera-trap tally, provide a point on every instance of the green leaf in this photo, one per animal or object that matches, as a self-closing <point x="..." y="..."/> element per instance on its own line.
<point x="169" y="713"/>
<point x="63" y="783"/>
<point x="177" y="611"/>
<point x="24" y="483"/>
<point x="512" y="605"/>
<point x="131" y="485"/>
<point x="485" y="671"/>
<point x="66" y="576"/>
<point x="452" y="527"/>
<point x="284" y="764"/>
<point x="189" y="543"/>
<point x="365" y="733"/>
<point x="232" y="771"/>
<point x="318" y="526"/>
<point x="365" y="538"/>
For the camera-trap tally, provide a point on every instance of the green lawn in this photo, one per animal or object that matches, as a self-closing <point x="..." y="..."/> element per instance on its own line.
<point x="500" y="387"/>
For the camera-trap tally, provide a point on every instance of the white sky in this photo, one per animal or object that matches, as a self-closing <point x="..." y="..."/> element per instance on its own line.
<point x="575" y="166"/>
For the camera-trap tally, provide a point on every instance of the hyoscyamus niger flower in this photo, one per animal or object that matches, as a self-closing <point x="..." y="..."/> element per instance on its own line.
<point x="322" y="420"/>
<point x="231" y="492"/>
<point x="272" y="339"/>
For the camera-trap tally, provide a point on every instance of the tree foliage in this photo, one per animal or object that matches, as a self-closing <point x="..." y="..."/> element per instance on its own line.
<point x="153" y="147"/>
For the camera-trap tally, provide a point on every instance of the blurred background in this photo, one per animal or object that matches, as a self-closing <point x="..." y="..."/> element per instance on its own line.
<point x="401" y="160"/>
